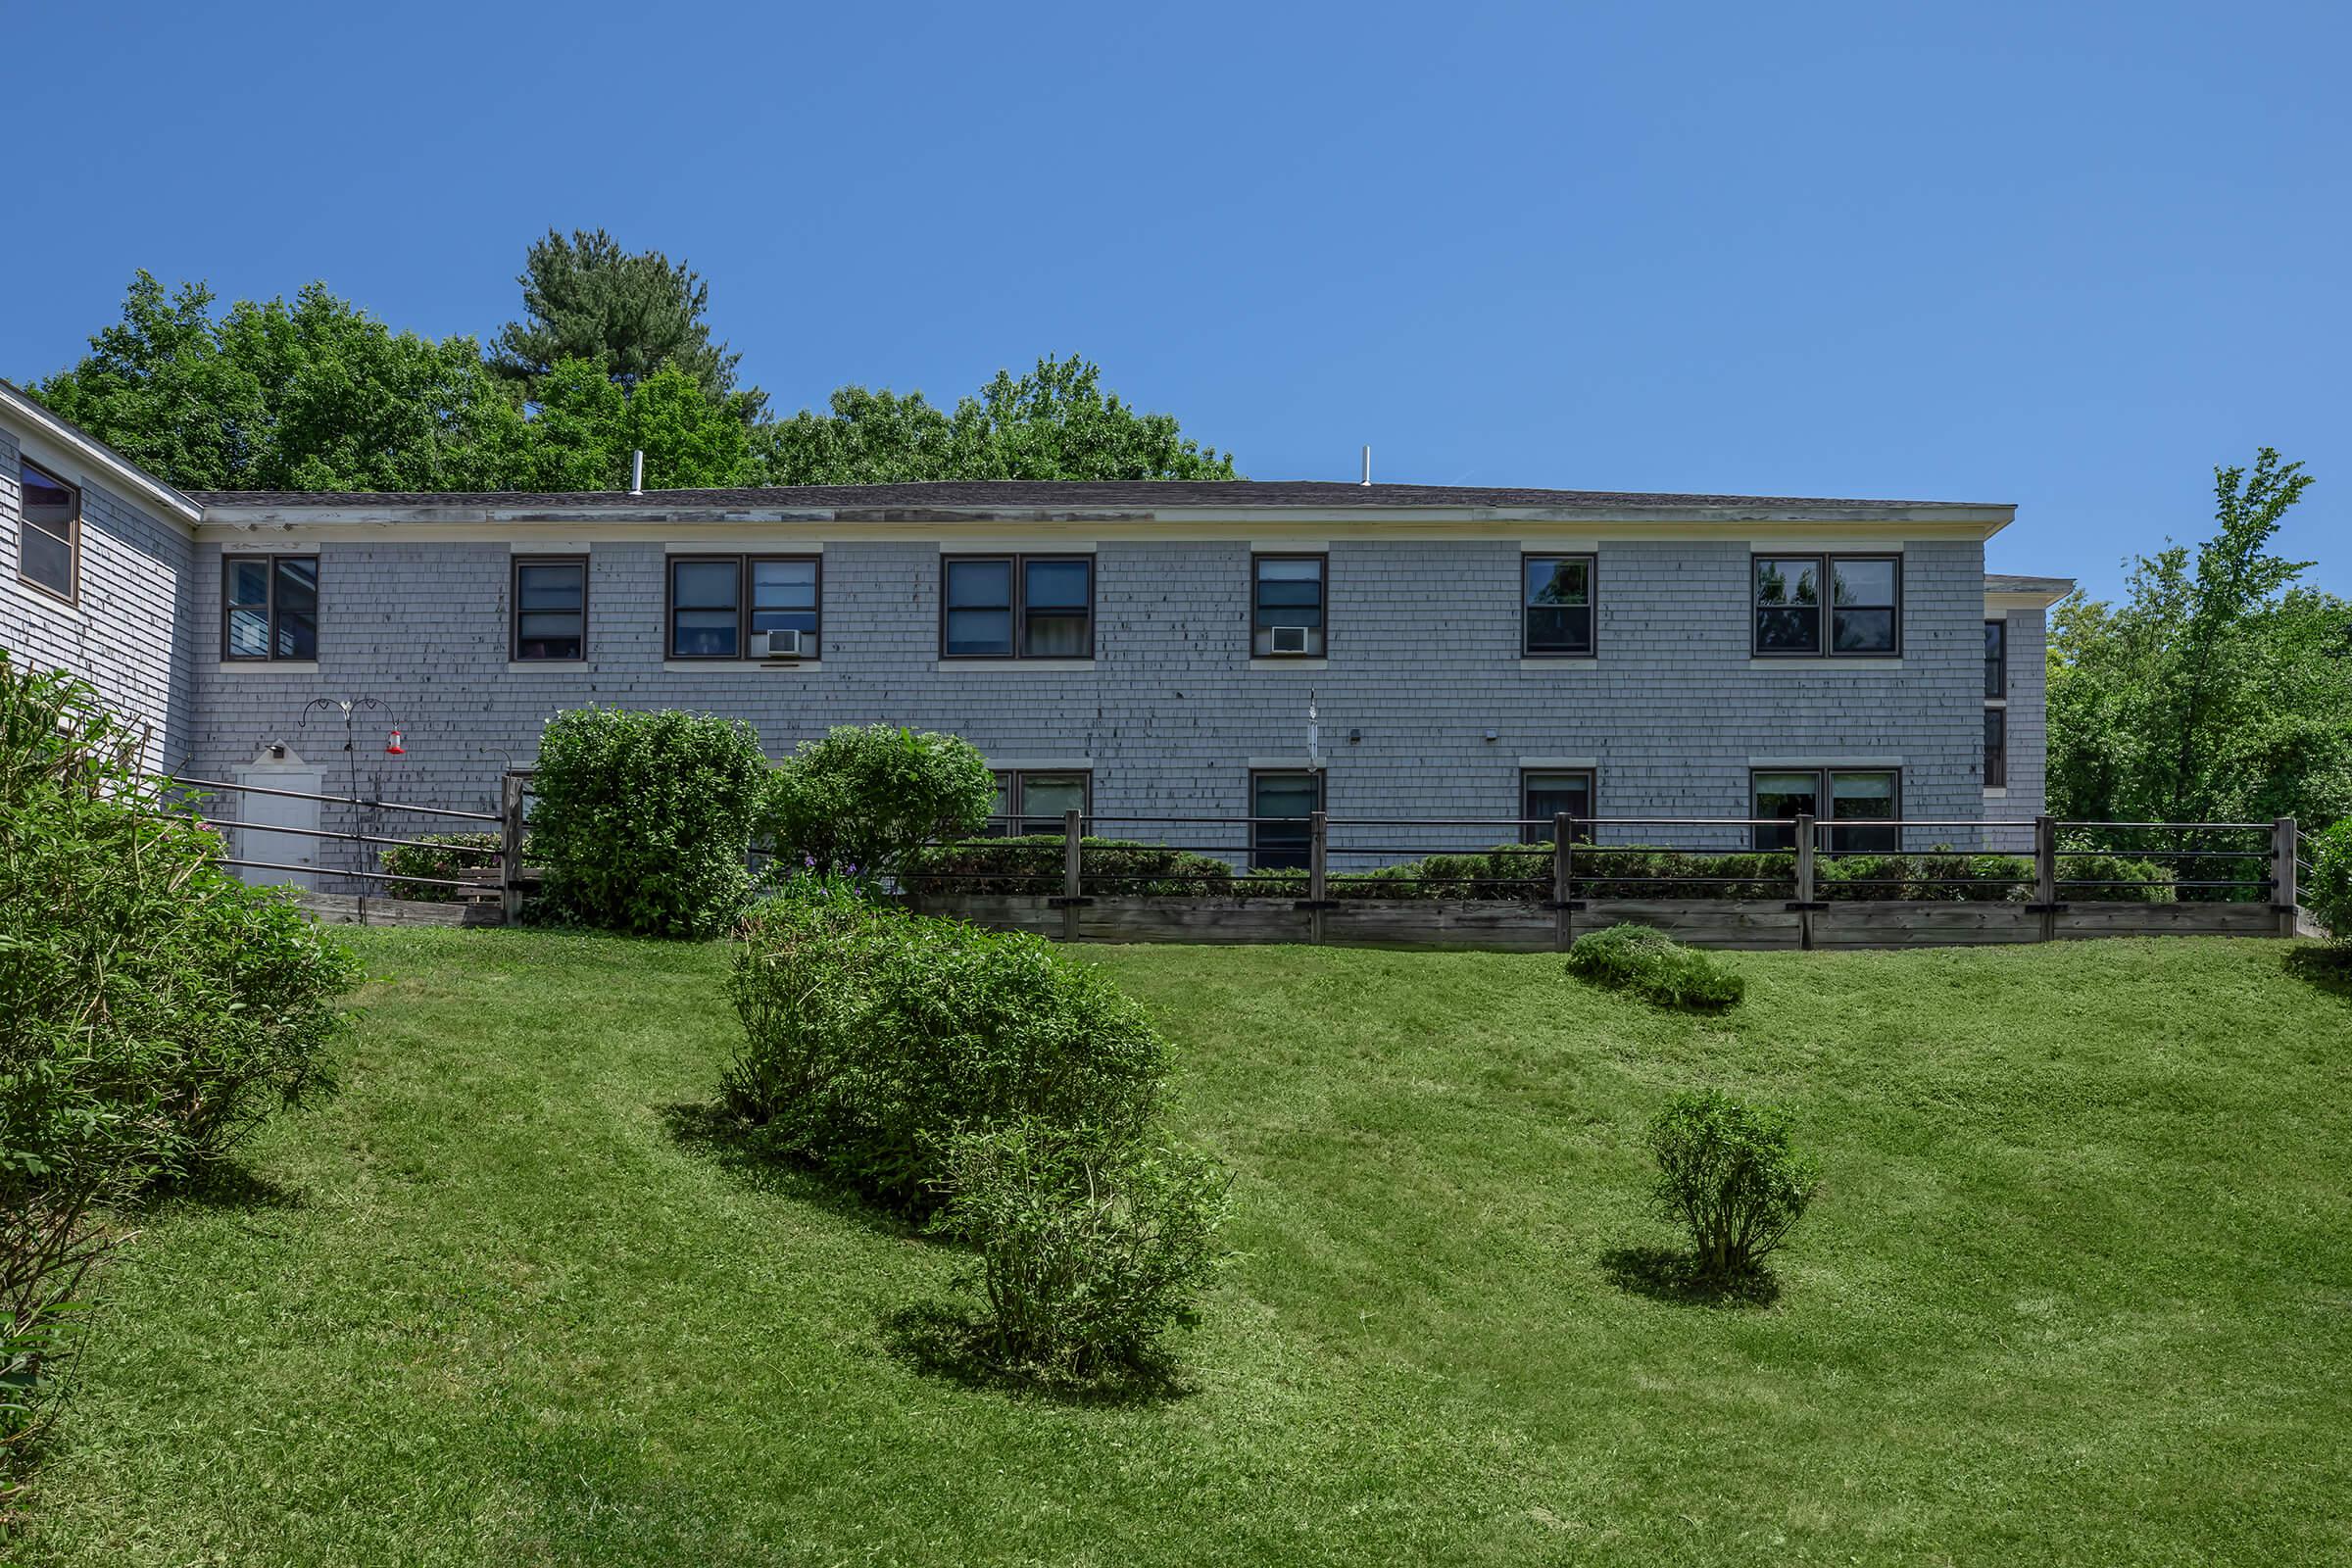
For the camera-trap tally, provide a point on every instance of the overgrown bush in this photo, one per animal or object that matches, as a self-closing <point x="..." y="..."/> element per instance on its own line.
<point x="2328" y="893"/>
<point x="1090" y="1247"/>
<point x="1652" y="965"/>
<point x="2123" y="879"/>
<point x="1728" y="1173"/>
<point x="869" y="795"/>
<point x="1031" y="865"/>
<point x="435" y="854"/>
<point x="874" y="1036"/>
<point x="644" y="818"/>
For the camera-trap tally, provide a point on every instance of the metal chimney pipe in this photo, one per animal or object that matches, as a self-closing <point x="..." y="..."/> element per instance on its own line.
<point x="1367" y="464"/>
<point x="637" y="471"/>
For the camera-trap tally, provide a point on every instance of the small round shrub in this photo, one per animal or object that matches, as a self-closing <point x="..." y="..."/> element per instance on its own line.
<point x="1647" y="962"/>
<point x="871" y="796"/>
<point x="644" y="818"/>
<point x="1728" y="1173"/>
<point x="872" y="1037"/>
<point x="1090" y="1248"/>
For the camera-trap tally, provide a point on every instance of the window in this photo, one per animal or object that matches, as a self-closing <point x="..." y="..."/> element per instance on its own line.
<point x="269" y="607"/>
<point x="1286" y="604"/>
<point x="1035" y="801"/>
<point x="1858" y="614"/>
<point x="1017" y="606"/>
<point x="1544" y="795"/>
<point x="551" y="608"/>
<point x="1996" y="748"/>
<point x="1280" y="804"/>
<point x="49" y="544"/>
<point x="1863" y="806"/>
<point x="1555" y="606"/>
<point x="710" y="616"/>
<point x="1996" y="658"/>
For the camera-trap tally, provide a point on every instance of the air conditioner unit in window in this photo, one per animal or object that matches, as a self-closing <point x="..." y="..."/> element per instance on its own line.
<point x="777" y="645"/>
<point x="1289" y="639"/>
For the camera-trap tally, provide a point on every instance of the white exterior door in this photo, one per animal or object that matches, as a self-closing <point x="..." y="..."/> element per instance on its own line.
<point x="280" y="849"/>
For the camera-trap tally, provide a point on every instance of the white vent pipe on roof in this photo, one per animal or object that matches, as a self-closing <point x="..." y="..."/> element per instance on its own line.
<point x="1367" y="464"/>
<point x="637" y="471"/>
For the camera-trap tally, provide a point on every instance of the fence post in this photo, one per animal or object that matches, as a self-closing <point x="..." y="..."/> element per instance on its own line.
<point x="2284" y="891"/>
<point x="2045" y="874"/>
<point x="1074" y="872"/>
<point x="1806" y="836"/>
<point x="1563" y="868"/>
<point x="510" y="847"/>
<point x="1318" y="883"/>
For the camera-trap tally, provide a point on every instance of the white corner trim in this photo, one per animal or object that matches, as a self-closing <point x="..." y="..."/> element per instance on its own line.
<point x="742" y="547"/>
<point x="1040" y="764"/>
<point x="780" y="666"/>
<point x="1570" y="663"/>
<point x="1802" y="662"/>
<point x="1034" y="666"/>
<point x="268" y="667"/>
<point x="1289" y="661"/>
<point x="1584" y="764"/>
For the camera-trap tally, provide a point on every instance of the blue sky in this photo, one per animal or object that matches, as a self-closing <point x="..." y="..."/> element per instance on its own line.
<point x="2065" y="255"/>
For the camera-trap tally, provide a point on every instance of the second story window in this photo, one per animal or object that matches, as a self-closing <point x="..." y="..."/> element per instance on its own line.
<point x="1996" y="658"/>
<point x="1286" y="606"/>
<point x="551" y="609"/>
<point x="744" y="607"/>
<point x="269" y="607"/>
<point x="1017" y="606"/>
<point x="1858" y="614"/>
<point x="1555" y="594"/>
<point x="1996" y="748"/>
<point x="49" y="543"/>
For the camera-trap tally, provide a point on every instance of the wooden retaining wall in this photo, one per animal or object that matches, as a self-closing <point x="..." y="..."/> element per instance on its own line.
<point x="349" y="908"/>
<point x="1750" y="923"/>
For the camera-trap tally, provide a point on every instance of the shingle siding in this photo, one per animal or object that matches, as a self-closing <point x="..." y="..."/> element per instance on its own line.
<point x="1424" y="660"/>
<point x="128" y="634"/>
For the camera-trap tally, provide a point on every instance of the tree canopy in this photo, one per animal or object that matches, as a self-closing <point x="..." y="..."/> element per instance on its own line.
<point x="2220" y="689"/>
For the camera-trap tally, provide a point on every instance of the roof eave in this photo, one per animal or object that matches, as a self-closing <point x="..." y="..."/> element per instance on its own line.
<point x="99" y="456"/>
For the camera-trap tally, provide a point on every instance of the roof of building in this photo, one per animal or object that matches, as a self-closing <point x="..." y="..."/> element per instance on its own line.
<point x="30" y="416"/>
<point x="2002" y="582"/>
<point x="1026" y="495"/>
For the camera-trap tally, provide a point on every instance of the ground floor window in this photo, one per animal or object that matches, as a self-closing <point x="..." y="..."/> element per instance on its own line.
<point x="1547" y="793"/>
<point x="1035" y="799"/>
<point x="1280" y="804"/>
<point x="1862" y="806"/>
<point x="1996" y="748"/>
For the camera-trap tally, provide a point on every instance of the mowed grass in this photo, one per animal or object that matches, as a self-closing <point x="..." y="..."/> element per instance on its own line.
<point x="2078" y="1289"/>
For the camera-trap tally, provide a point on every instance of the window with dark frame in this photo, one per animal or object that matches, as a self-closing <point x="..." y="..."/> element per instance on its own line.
<point x="1017" y="606"/>
<point x="268" y="608"/>
<point x="1555" y="594"/>
<point x="717" y="603"/>
<point x="1858" y="614"/>
<point x="1280" y="837"/>
<point x="1996" y="748"/>
<point x="1546" y="793"/>
<point x="1863" y="806"/>
<point x="49" y="544"/>
<point x="1996" y="658"/>
<point x="1286" y="606"/>
<point x="1035" y="799"/>
<point x="551" y="609"/>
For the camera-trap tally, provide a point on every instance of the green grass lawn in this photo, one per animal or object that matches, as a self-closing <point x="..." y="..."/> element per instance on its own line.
<point x="2078" y="1288"/>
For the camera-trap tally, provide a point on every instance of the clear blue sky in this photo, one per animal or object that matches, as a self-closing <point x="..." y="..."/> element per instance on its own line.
<point x="2065" y="255"/>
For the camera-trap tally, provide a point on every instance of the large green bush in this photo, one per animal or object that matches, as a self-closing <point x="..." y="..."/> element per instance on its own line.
<point x="1731" y="1175"/>
<point x="874" y="1036"/>
<point x="1652" y="965"/>
<point x="644" y="819"/>
<point x="871" y="796"/>
<point x="1088" y="1247"/>
<point x="2328" y="893"/>
<point x="153" y="1012"/>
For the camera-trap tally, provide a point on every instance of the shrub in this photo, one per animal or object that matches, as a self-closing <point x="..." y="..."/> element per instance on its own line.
<point x="2122" y="879"/>
<point x="1090" y="1247"/>
<point x="869" y="795"/>
<point x="434" y="854"/>
<point x="1729" y="1175"/>
<point x="1942" y="876"/>
<point x="2328" y="893"/>
<point x="644" y="819"/>
<point x="1031" y="865"/>
<point x="874" y="1036"/>
<point x="1652" y="965"/>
